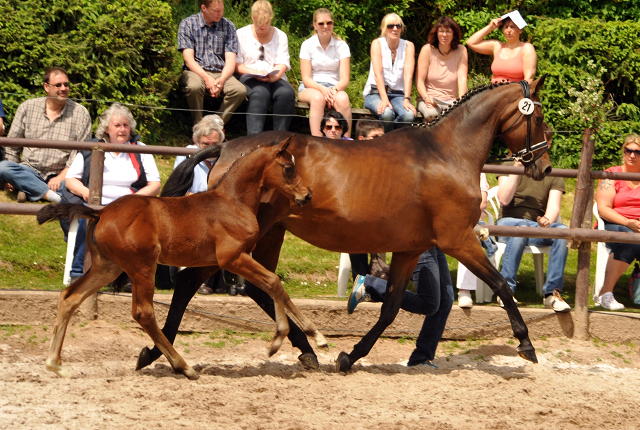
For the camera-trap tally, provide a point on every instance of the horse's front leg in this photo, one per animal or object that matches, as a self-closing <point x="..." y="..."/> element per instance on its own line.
<point x="402" y="265"/>
<point x="187" y="283"/>
<point x="470" y="253"/>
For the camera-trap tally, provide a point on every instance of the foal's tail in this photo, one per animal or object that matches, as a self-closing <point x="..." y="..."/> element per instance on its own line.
<point x="66" y="210"/>
<point x="182" y="177"/>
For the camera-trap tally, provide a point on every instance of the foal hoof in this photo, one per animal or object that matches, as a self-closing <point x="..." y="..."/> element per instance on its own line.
<point x="309" y="360"/>
<point x="191" y="374"/>
<point x="144" y="359"/>
<point x="528" y="353"/>
<point x="343" y="362"/>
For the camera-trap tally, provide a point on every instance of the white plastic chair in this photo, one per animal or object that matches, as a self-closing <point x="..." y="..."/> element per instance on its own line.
<point x="71" y="243"/>
<point x="344" y="272"/>
<point x="602" y="255"/>
<point x="536" y="251"/>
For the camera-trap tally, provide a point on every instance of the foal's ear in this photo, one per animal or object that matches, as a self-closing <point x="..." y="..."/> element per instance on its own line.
<point x="539" y="83"/>
<point x="284" y="144"/>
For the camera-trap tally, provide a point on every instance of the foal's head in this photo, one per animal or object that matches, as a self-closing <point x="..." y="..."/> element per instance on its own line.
<point x="281" y="174"/>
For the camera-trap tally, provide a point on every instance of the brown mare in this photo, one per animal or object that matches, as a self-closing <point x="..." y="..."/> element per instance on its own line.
<point x="217" y="228"/>
<point x="404" y="192"/>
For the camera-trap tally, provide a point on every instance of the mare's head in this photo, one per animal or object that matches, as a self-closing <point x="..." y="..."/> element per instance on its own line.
<point x="281" y="174"/>
<point x="521" y="121"/>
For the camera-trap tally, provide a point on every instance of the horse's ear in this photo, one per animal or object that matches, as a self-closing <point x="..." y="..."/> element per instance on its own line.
<point x="539" y="83"/>
<point x="284" y="144"/>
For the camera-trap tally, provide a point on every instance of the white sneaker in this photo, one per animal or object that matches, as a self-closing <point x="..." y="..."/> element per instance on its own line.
<point x="502" y="304"/>
<point x="609" y="302"/>
<point x="555" y="302"/>
<point x="464" y="299"/>
<point x="596" y="299"/>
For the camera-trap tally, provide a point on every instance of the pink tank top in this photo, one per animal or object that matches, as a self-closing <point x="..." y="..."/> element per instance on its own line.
<point x="627" y="200"/>
<point x="442" y="76"/>
<point x="511" y="70"/>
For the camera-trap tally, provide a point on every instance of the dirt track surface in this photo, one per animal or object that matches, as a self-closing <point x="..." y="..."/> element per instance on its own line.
<point x="480" y="385"/>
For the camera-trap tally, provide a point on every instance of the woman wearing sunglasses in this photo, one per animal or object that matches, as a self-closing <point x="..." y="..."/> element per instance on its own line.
<point x="619" y="207"/>
<point x="334" y="126"/>
<point x="262" y="61"/>
<point x="325" y="66"/>
<point x="388" y="89"/>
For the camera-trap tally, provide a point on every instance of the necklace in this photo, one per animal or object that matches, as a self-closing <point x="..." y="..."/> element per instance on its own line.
<point x="441" y="53"/>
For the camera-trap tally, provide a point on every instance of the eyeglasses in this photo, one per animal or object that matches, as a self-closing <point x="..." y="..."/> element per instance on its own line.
<point x="324" y="24"/>
<point x="333" y="127"/>
<point x="66" y="84"/>
<point x="261" y="49"/>
<point x="392" y="26"/>
<point x="444" y="31"/>
<point x="635" y="152"/>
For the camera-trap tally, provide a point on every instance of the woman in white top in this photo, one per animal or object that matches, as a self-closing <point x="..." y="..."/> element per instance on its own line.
<point x="388" y="89"/>
<point x="325" y="66"/>
<point x="262" y="61"/>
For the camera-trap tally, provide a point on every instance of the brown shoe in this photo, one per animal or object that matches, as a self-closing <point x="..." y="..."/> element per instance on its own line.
<point x="22" y="197"/>
<point x="204" y="290"/>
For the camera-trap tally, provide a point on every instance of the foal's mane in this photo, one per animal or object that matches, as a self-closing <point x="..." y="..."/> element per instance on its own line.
<point x="459" y="101"/>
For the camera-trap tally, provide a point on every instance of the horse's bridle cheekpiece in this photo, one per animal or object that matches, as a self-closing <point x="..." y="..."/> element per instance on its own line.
<point x="526" y="107"/>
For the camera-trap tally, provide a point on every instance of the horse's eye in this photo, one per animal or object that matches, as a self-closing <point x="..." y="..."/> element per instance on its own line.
<point x="288" y="168"/>
<point x="539" y="120"/>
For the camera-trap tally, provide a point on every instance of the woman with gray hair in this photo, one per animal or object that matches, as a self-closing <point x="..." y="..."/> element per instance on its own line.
<point x="124" y="173"/>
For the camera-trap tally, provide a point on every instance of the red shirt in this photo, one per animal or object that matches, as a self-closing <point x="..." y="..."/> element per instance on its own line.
<point x="627" y="201"/>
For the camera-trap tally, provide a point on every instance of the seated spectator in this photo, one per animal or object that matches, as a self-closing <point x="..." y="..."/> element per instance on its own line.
<point x="388" y="88"/>
<point x="262" y="61"/>
<point x="467" y="281"/>
<point x="41" y="171"/>
<point x="2" y="120"/>
<point x="325" y="67"/>
<point x="124" y="173"/>
<point x="619" y="207"/>
<point x="368" y="128"/>
<point x="529" y="203"/>
<point x="334" y="126"/>
<point x="209" y="45"/>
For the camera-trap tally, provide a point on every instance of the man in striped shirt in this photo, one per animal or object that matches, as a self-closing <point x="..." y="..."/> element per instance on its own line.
<point x="40" y="172"/>
<point x="209" y="46"/>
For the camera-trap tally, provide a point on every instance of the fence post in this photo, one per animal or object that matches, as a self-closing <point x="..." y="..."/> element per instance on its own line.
<point x="581" y="218"/>
<point x="90" y="306"/>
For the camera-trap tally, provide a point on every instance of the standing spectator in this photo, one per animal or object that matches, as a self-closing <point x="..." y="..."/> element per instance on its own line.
<point x="41" y="172"/>
<point x="263" y="60"/>
<point x="209" y="46"/>
<point x="325" y="66"/>
<point x="529" y="203"/>
<point x="442" y="68"/>
<point x="124" y="173"/>
<point x="388" y="88"/>
<point x="514" y="60"/>
<point x="619" y="207"/>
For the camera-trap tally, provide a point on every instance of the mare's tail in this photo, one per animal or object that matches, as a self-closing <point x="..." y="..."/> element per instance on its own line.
<point x="182" y="177"/>
<point x="66" y="210"/>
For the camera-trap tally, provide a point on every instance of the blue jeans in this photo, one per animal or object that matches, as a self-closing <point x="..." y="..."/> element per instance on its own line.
<point x="24" y="178"/>
<point x="77" y="266"/>
<point x="433" y="298"/>
<point x="489" y="245"/>
<point x="388" y="117"/>
<point x="515" y="248"/>
<point x="626" y="252"/>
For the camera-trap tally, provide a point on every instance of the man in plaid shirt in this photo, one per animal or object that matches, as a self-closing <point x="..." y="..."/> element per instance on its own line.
<point x="41" y="172"/>
<point x="209" y="45"/>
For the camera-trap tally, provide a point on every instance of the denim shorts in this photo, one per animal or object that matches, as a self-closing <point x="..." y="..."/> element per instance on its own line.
<point x="324" y="84"/>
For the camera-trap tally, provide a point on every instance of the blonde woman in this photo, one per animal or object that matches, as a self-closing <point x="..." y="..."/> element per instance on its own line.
<point x="262" y="61"/>
<point x="388" y="89"/>
<point x="325" y="66"/>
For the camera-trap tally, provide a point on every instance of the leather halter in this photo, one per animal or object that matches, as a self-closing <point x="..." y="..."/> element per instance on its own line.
<point x="526" y="155"/>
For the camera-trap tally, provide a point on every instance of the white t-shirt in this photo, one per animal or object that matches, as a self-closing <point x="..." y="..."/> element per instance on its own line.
<point x="325" y="64"/>
<point x="275" y="52"/>
<point x="392" y="71"/>
<point x="119" y="173"/>
<point x="200" y="174"/>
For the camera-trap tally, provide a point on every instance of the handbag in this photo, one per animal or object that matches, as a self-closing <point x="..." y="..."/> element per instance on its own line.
<point x="634" y="285"/>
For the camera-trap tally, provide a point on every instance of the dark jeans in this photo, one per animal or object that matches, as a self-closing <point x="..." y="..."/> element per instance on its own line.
<point x="626" y="252"/>
<point x="359" y="264"/>
<point x="433" y="298"/>
<point x="260" y="94"/>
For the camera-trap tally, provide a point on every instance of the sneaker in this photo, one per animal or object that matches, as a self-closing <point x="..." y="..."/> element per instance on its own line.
<point x="428" y="363"/>
<point x="596" y="299"/>
<point x="357" y="294"/>
<point x="502" y="304"/>
<point x="464" y="299"/>
<point x="22" y="197"/>
<point x="555" y="302"/>
<point x="205" y="290"/>
<point x="609" y="302"/>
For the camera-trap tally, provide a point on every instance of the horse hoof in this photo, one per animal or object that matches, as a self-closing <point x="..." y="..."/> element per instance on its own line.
<point x="60" y="371"/>
<point x="528" y="353"/>
<point x="144" y="359"/>
<point x="309" y="360"/>
<point x="191" y="374"/>
<point x="343" y="363"/>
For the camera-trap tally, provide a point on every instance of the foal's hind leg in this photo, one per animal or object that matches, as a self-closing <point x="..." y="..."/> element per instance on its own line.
<point x="100" y="274"/>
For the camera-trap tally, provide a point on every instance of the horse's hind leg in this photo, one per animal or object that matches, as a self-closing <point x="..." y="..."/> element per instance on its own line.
<point x="187" y="283"/>
<point x="100" y="274"/>
<point x="402" y="265"/>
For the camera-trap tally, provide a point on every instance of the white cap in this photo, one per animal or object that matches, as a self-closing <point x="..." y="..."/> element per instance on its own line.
<point x="516" y="18"/>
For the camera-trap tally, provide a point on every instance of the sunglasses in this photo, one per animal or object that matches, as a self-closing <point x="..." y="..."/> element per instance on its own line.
<point x="66" y="84"/>
<point x="635" y="152"/>
<point x="392" y="26"/>
<point x="332" y="127"/>
<point x="324" y="24"/>
<point x="261" y="49"/>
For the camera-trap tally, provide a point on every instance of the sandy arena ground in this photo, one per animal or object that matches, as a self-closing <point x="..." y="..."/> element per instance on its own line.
<point x="480" y="384"/>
